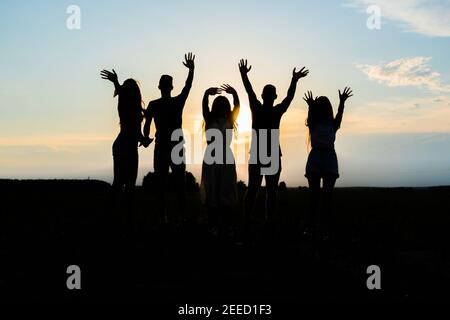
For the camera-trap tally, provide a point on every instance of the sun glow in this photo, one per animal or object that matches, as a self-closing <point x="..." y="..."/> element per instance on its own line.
<point x="244" y="120"/>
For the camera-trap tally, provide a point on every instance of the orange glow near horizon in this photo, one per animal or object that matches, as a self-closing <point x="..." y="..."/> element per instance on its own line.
<point x="244" y="120"/>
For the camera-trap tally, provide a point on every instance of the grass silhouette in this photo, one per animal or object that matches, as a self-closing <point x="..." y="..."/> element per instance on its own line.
<point x="47" y="225"/>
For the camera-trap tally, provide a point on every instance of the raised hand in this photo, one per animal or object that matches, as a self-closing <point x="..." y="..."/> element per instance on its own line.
<point x="243" y="67"/>
<point x="345" y="95"/>
<point x="107" y="75"/>
<point x="301" y="74"/>
<point x="309" y="98"/>
<point x="228" y="89"/>
<point x="213" y="91"/>
<point x="189" y="61"/>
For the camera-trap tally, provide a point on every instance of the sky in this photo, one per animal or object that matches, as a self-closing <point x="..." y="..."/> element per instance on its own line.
<point x="58" y="118"/>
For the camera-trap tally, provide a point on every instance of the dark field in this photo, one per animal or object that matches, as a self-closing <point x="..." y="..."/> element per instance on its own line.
<point x="45" y="226"/>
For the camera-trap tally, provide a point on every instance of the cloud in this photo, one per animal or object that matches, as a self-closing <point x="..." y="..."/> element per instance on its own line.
<point x="405" y="72"/>
<point x="426" y="17"/>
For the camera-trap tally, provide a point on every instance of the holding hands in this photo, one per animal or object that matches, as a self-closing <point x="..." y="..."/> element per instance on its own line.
<point x="345" y="95"/>
<point x="145" y="142"/>
<point x="189" y="61"/>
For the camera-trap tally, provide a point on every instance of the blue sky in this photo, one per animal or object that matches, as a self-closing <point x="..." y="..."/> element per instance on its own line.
<point x="58" y="118"/>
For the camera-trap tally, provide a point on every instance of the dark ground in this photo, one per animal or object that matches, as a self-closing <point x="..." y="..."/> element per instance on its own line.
<point x="45" y="226"/>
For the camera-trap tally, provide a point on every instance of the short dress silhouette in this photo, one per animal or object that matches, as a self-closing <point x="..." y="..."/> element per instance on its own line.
<point x="125" y="147"/>
<point x="218" y="184"/>
<point x="322" y="159"/>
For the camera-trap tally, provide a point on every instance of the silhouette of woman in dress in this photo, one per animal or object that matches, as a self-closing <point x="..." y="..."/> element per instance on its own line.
<point x="218" y="184"/>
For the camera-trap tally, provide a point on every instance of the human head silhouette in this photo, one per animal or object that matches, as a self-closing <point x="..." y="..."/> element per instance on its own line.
<point x="269" y="94"/>
<point x="321" y="112"/>
<point x="130" y="102"/>
<point x="165" y="84"/>
<point x="221" y="108"/>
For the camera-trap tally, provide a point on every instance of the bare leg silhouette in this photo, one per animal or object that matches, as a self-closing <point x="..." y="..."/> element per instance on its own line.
<point x="327" y="212"/>
<point x="314" y="201"/>
<point x="254" y="185"/>
<point x="271" y="196"/>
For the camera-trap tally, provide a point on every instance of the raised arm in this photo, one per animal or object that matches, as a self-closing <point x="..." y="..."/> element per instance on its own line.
<point x="296" y="76"/>
<point x="111" y="76"/>
<point x="244" y="69"/>
<point x="236" y="104"/>
<point x="342" y="98"/>
<point x="188" y="63"/>
<point x="205" y="103"/>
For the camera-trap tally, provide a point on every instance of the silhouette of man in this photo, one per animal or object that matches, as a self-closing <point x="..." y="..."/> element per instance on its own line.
<point x="267" y="116"/>
<point x="167" y="113"/>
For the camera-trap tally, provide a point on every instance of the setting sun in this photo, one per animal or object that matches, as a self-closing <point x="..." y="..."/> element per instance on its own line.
<point x="244" y="120"/>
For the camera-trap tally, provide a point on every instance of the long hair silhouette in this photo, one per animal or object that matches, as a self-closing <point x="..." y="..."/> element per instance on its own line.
<point x="130" y="104"/>
<point x="321" y="112"/>
<point x="125" y="146"/>
<point x="221" y="108"/>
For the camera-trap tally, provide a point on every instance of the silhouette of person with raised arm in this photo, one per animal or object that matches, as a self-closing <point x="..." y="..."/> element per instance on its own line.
<point x="322" y="160"/>
<point x="218" y="184"/>
<point x="167" y="113"/>
<point x="265" y="115"/>
<point x="125" y="147"/>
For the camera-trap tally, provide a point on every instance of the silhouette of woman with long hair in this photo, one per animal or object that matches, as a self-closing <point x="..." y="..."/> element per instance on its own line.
<point x="322" y="160"/>
<point x="218" y="184"/>
<point x="125" y="147"/>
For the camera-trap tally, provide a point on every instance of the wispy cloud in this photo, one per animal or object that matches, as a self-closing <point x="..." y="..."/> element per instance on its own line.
<point x="406" y="72"/>
<point x="426" y="17"/>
